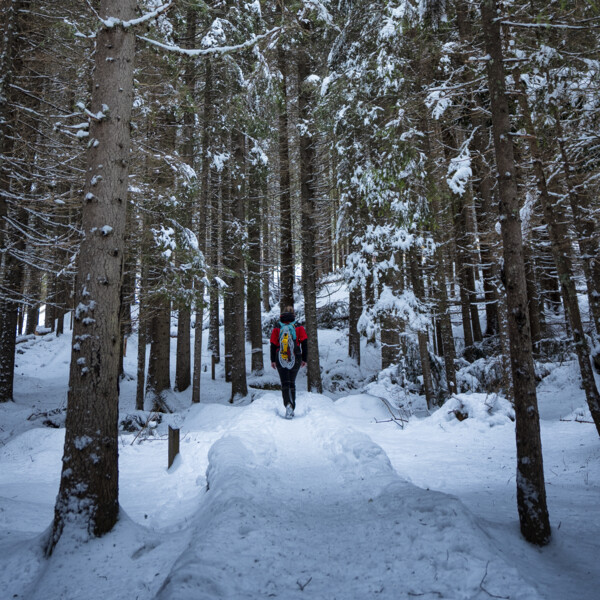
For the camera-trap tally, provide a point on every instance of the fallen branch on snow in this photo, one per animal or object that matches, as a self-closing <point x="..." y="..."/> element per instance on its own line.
<point x="303" y="585"/>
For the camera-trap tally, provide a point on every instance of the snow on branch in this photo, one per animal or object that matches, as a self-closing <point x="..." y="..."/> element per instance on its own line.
<point x="211" y="51"/>
<point x="459" y="170"/>
<point x="549" y="25"/>
<point x="406" y="306"/>
<point x="322" y="11"/>
<point x="113" y="22"/>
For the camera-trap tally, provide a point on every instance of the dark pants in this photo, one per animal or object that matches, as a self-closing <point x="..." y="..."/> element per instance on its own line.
<point x="288" y="383"/>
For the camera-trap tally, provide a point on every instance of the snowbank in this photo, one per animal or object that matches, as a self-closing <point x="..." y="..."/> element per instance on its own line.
<point x="320" y="511"/>
<point x="487" y="409"/>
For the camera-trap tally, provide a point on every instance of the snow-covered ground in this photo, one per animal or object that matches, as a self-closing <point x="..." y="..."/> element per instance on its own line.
<point x="340" y="502"/>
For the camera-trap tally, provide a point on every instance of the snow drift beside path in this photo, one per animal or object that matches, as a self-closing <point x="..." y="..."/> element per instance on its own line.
<point x="311" y="504"/>
<point x="486" y="409"/>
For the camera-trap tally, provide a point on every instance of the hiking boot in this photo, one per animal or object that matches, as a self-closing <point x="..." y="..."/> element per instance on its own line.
<point x="289" y="411"/>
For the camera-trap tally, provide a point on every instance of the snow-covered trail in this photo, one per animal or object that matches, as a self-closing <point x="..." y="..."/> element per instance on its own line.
<point x="312" y="507"/>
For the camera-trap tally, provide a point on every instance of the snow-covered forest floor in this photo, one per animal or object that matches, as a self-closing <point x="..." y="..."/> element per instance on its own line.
<point x="340" y="502"/>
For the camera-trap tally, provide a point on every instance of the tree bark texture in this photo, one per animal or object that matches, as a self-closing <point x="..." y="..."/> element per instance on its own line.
<point x="535" y="305"/>
<point x="445" y="322"/>
<point x="196" y="380"/>
<point x="265" y="266"/>
<point x="34" y="292"/>
<point x="287" y="275"/>
<point x="9" y="315"/>
<point x="144" y="318"/>
<point x="142" y="344"/>
<point x="254" y="274"/>
<point x="236" y="280"/>
<point x="308" y="195"/>
<point x="159" y="364"/>
<point x="440" y="236"/>
<point x="216" y="226"/>
<point x="354" y="313"/>
<point x="418" y="285"/>
<point x="531" y="492"/>
<point x="88" y="496"/>
<point x="228" y="316"/>
<point x="183" y="374"/>
<point x="486" y="214"/>
<point x="9" y="11"/>
<point x="205" y="189"/>
<point x="12" y="272"/>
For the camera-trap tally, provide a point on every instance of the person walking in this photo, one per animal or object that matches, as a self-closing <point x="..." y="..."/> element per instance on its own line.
<point x="289" y="352"/>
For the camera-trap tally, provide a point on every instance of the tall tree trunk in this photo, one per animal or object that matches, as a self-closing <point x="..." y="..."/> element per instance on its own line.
<point x="416" y="276"/>
<point x="228" y="261"/>
<point x="445" y="322"/>
<point x="214" y="344"/>
<point x="159" y="364"/>
<point x="354" y="312"/>
<point x="308" y="197"/>
<point x="254" y="266"/>
<point x="49" y="300"/>
<point x="158" y="381"/>
<point x="215" y="227"/>
<point x="531" y="491"/>
<point x="205" y="199"/>
<point x="33" y="294"/>
<point x="287" y="275"/>
<point x="466" y="219"/>
<point x="9" y="11"/>
<point x="265" y="265"/>
<point x="196" y="381"/>
<point x="391" y="325"/>
<point x="144" y="316"/>
<point x="390" y="341"/>
<point x="88" y="495"/>
<point x="9" y="55"/>
<point x="143" y="324"/>
<point x="239" y="387"/>
<point x="183" y="360"/>
<point x="127" y="293"/>
<point x="486" y="218"/>
<point x="535" y="304"/>
<point x="471" y="258"/>
<point x="440" y="235"/>
<point x="9" y="314"/>
<point x="205" y="188"/>
<point x="228" y="332"/>
<point x="549" y="285"/>
<point x="464" y="267"/>
<point x="465" y="300"/>
<point x="61" y="302"/>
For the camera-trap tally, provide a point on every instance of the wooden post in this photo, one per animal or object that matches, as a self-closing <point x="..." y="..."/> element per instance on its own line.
<point x="173" y="445"/>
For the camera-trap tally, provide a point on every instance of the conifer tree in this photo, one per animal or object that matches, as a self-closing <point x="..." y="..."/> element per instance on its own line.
<point x="88" y="496"/>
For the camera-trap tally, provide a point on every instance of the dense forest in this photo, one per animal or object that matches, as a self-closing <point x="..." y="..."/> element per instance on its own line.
<point x="209" y="163"/>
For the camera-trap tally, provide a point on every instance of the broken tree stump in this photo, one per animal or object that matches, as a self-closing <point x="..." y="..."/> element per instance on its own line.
<point x="173" y="445"/>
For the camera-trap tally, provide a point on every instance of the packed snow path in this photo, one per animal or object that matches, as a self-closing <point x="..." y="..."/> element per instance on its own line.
<point x="310" y="508"/>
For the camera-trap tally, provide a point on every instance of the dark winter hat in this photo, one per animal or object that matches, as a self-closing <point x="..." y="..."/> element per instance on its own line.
<point x="287" y="317"/>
